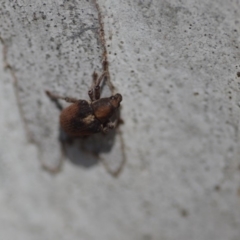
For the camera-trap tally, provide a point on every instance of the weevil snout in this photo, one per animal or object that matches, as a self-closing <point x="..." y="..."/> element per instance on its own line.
<point x="115" y="100"/>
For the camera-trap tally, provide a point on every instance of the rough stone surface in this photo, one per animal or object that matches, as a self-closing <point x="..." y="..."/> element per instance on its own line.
<point x="176" y="65"/>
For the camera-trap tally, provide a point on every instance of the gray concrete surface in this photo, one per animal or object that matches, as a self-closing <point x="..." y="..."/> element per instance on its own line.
<point x="176" y="65"/>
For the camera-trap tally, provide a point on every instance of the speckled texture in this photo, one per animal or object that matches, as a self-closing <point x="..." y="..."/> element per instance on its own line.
<point x="176" y="65"/>
<point x="60" y="48"/>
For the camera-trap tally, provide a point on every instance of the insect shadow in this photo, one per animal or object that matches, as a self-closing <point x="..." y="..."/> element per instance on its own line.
<point x="86" y="151"/>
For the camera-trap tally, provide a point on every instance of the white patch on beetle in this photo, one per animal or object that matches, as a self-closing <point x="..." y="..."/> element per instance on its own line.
<point x="89" y="119"/>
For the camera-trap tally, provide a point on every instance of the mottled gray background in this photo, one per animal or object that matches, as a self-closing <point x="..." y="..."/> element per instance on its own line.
<point x="176" y="65"/>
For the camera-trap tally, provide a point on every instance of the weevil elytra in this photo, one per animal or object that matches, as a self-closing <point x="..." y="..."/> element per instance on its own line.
<point x="84" y="118"/>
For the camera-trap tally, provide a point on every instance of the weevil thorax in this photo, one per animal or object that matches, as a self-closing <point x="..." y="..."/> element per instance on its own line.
<point x="104" y="108"/>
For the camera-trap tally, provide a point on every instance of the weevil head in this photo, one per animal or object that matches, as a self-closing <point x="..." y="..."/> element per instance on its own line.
<point x="115" y="100"/>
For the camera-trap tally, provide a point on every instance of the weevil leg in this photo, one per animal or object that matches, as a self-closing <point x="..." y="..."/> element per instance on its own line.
<point x="97" y="89"/>
<point x="56" y="97"/>
<point x="91" y="91"/>
<point x="119" y="144"/>
<point x="91" y="95"/>
<point x="112" y="124"/>
<point x="109" y="125"/>
<point x="95" y="77"/>
<point x="104" y="129"/>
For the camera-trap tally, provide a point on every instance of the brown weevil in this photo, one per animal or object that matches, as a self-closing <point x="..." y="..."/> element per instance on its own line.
<point x="84" y="118"/>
